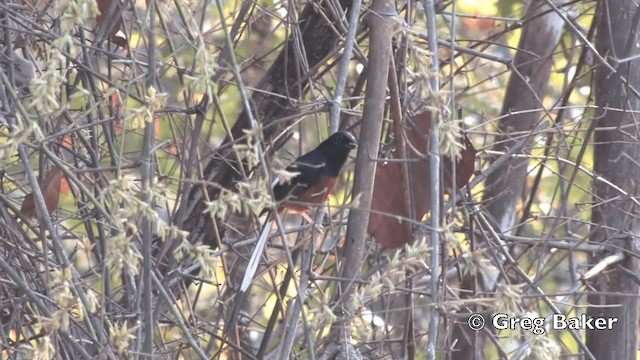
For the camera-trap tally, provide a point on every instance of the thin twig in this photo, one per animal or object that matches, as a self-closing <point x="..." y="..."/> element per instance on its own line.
<point x="434" y="179"/>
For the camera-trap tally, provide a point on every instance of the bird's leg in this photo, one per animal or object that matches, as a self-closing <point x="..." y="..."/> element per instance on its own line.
<point x="310" y="221"/>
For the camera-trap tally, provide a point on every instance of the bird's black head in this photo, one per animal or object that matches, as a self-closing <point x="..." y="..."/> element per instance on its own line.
<point x="338" y="146"/>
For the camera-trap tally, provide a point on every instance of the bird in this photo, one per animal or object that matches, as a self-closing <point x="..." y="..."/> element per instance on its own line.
<point x="316" y="173"/>
<point x="50" y="188"/>
<point x="315" y="177"/>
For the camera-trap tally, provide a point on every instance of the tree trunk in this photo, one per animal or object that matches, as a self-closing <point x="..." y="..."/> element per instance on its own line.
<point x="615" y="213"/>
<point x="528" y="81"/>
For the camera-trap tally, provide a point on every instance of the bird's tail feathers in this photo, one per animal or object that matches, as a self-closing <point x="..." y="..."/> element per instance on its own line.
<point x="252" y="266"/>
<point x="249" y="273"/>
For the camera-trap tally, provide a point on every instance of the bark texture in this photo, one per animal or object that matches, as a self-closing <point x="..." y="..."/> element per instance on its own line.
<point x="526" y="87"/>
<point x="617" y="150"/>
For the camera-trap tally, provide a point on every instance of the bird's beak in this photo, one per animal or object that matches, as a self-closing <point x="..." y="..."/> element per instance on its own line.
<point x="352" y="145"/>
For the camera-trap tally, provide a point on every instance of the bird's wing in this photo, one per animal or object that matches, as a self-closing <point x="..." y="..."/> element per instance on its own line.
<point x="309" y="168"/>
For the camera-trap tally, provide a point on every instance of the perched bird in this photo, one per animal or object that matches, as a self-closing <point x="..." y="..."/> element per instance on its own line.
<point x="50" y="188"/>
<point x="315" y="179"/>
<point x="316" y="173"/>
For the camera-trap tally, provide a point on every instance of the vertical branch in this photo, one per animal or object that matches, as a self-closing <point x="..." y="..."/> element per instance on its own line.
<point x="146" y="163"/>
<point x="408" y="208"/>
<point x="244" y="96"/>
<point x="344" y="65"/>
<point x="381" y="22"/>
<point x="434" y="179"/>
<point x="398" y="130"/>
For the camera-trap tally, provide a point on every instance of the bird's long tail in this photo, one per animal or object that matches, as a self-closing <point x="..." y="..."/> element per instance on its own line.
<point x="249" y="273"/>
<point x="252" y="266"/>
